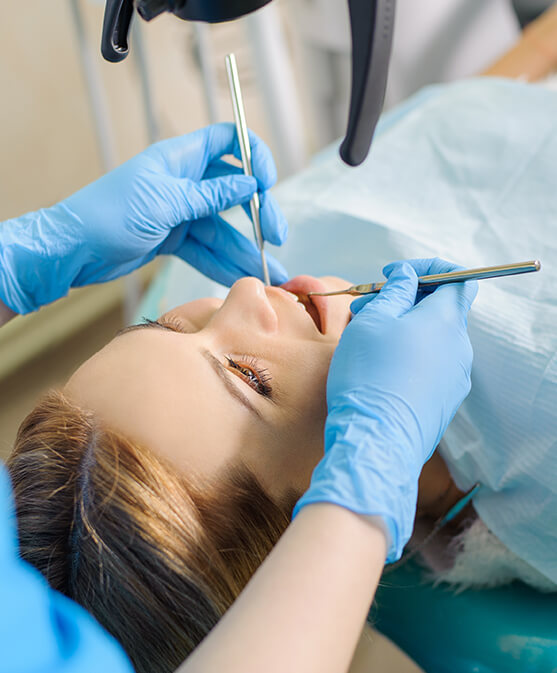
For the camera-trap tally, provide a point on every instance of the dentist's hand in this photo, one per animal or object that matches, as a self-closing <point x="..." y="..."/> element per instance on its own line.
<point x="165" y="200"/>
<point x="400" y="372"/>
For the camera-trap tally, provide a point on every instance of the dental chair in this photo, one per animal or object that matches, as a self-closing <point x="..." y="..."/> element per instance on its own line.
<point x="511" y="629"/>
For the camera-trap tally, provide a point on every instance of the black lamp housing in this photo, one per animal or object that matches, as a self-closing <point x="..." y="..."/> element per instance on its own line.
<point x="371" y="23"/>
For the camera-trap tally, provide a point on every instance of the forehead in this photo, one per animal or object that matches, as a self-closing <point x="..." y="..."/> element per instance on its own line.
<point x="158" y="389"/>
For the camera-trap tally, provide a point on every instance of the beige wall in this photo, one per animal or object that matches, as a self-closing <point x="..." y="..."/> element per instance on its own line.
<point x="47" y="135"/>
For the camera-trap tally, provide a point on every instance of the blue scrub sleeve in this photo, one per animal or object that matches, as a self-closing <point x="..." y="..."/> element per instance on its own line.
<point x="42" y="631"/>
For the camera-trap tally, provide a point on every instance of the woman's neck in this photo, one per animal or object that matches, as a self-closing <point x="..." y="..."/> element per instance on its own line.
<point x="437" y="492"/>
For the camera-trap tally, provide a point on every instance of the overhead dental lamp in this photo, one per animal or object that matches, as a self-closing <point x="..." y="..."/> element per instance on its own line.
<point x="371" y="23"/>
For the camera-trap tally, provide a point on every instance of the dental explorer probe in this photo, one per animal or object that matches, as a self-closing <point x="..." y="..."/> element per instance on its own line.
<point x="434" y="280"/>
<point x="245" y="151"/>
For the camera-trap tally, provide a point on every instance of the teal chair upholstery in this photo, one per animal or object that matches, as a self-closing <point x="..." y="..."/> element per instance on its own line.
<point x="511" y="629"/>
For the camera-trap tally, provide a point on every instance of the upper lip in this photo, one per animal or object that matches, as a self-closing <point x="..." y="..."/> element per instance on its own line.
<point x="316" y="306"/>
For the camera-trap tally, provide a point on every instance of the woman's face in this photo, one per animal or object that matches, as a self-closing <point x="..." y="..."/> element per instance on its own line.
<point x="216" y="383"/>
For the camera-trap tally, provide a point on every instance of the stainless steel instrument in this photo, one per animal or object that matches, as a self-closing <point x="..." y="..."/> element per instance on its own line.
<point x="434" y="280"/>
<point x="245" y="151"/>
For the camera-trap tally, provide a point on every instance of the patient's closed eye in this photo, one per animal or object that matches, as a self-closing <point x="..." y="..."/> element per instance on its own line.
<point x="252" y="373"/>
<point x="245" y="367"/>
<point x="173" y="323"/>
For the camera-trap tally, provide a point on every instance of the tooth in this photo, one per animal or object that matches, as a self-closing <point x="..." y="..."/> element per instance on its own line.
<point x="294" y="296"/>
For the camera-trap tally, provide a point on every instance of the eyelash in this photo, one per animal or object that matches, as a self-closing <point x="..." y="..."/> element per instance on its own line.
<point x="253" y="374"/>
<point x="249" y="369"/>
<point x="170" y="322"/>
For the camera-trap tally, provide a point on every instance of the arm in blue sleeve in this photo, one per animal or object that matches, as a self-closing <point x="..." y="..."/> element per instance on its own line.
<point x="42" y="631"/>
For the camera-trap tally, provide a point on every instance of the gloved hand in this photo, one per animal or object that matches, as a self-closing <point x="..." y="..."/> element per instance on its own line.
<point x="397" y="377"/>
<point x="165" y="200"/>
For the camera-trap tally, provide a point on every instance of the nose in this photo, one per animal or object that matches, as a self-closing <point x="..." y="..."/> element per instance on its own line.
<point x="247" y="304"/>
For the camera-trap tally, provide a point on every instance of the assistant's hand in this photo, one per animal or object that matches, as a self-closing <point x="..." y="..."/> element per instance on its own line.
<point x="165" y="200"/>
<point x="400" y="372"/>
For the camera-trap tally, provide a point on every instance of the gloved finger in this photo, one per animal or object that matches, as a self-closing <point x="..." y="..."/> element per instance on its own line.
<point x="220" y="167"/>
<point x="195" y="200"/>
<point x="274" y="227"/>
<point x="454" y="299"/>
<point x="213" y="265"/>
<point x="422" y="267"/>
<point x="462" y="297"/>
<point x="222" y="139"/>
<point x="357" y="305"/>
<point x="223" y="270"/>
<point x="397" y="295"/>
<point x="213" y="244"/>
<point x="262" y="163"/>
<point x="425" y="266"/>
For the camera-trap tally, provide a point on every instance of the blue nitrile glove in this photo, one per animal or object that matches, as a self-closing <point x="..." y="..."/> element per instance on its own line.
<point x="397" y="377"/>
<point x="165" y="200"/>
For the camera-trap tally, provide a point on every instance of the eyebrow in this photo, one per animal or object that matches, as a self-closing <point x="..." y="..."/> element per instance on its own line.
<point x="217" y="366"/>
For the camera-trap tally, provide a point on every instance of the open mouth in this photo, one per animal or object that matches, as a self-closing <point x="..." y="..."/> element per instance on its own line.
<point x="315" y="306"/>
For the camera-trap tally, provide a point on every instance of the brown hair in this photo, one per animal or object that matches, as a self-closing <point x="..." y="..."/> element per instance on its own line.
<point x="156" y="558"/>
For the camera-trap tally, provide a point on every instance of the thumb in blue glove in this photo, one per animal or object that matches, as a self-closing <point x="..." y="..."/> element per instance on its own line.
<point x="399" y="374"/>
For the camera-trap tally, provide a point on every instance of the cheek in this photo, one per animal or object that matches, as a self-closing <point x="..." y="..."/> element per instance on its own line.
<point x="307" y="391"/>
<point x="298" y="433"/>
<point x="307" y="429"/>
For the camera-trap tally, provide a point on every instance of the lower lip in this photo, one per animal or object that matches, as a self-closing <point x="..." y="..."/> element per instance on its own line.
<point x="317" y="307"/>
